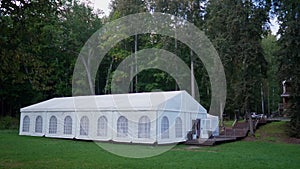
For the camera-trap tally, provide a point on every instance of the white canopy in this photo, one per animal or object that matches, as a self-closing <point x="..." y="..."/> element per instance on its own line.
<point x="171" y="101"/>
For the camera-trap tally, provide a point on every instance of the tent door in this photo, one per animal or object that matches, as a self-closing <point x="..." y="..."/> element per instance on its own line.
<point x="196" y="127"/>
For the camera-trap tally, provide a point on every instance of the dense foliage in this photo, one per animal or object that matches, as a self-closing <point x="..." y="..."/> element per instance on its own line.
<point x="40" y="41"/>
<point x="288" y="12"/>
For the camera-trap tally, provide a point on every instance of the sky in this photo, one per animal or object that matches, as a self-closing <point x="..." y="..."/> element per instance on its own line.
<point x="104" y="6"/>
<point x="274" y="26"/>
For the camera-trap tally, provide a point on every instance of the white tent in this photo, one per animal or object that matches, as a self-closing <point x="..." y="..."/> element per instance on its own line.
<point x="158" y="117"/>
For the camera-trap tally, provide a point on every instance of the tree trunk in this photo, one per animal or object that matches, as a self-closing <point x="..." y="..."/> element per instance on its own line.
<point x="108" y="77"/>
<point x="250" y="124"/>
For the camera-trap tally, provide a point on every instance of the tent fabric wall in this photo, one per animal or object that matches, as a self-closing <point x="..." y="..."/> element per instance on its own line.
<point x="133" y="107"/>
<point x="214" y="124"/>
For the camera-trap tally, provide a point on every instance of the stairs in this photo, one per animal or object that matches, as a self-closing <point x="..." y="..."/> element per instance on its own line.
<point x="238" y="131"/>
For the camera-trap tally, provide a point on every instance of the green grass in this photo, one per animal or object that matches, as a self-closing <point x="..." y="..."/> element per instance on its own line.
<point x="274" y="132"/>
<point x="37" y="152"/>
<point x="228" y="123"/>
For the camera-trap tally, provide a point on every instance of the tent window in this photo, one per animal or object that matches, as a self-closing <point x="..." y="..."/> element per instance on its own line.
<point x="53" y="125"/>
<point x="84" y="126"/>
<point x="144" y="127"/>
<point x="26" y="123"/>
<point x="164" y="127"/>
<point x="102" y="126"/>
<point x="68" y="125"/>
<point x="207" y="124"/>
<point x="38" y="124"/>
<point x="178" y="127"/>
<point x="122" y="127"/>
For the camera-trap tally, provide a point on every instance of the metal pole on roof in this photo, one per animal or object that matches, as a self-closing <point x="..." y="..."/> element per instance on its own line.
<point x="176" y="87"/>
<point x="135" y="58"/>
<point x="131" y="77"/>
<point x="192" y="77"/>
<point x="221" y="115"/>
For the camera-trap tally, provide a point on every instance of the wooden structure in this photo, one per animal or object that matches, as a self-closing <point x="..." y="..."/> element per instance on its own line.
<point x="238" y="131"/>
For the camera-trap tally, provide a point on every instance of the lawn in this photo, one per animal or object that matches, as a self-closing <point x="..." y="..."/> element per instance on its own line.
<point x="38" y="152"/>
<point x="228" y="123"/>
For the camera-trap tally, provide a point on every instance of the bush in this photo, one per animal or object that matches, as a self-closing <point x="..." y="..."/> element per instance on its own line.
<point x="294" y="124"/>
<point x="9" y="122"/>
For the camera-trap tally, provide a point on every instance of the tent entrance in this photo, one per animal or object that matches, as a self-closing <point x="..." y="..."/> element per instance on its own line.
<point x="195" y="133"/>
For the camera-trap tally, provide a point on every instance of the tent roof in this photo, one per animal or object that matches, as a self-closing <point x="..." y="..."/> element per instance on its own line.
<point x="172" y="101"/>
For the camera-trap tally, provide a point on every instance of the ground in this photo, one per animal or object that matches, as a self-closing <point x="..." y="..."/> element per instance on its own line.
<point x="273" y="132"/>
<point x="269" y="148"/>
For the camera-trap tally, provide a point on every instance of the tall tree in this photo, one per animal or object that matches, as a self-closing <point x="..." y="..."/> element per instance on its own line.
<point x="40" y="41"/>
<point x="79" y="22"/>
<point x="28" y="31"/>
<point x="236" y="28"/>
<point x="192" y="11"/>
<point x="270" y="46"/>
<point x="121" y="8"/>
<point x="288" y="12"/>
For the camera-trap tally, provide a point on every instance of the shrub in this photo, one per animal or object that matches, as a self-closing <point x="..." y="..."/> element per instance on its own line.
<point x="9" y="122"/>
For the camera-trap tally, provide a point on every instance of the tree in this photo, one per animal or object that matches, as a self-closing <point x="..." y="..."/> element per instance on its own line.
<point x="192" y="11"/>
<point x="26" y="29"/>
<point x="235" y="28"/>
<point x="270" y="46"/>
<point x="40" y="41"/>
<point x="79" y="23"/>
<point x="121" y="8"/>
<point x="288" y="12"/>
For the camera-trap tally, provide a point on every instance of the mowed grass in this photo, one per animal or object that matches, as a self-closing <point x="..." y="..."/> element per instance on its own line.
<point x="273" y="132"/>
<point x="38" y="152"/>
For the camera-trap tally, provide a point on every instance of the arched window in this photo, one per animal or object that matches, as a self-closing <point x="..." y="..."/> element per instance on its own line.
<point x="68" y="125"/>
<point x="39" y="124"/>
<point x="102" y="126"/>
<point x="178" y="127"/>
<point x="26" y="124"/>
<point x="84" y="126"/>
<point x="144" y="127"/>
<point x="52" y="125"/>
<point x="164" y="127"/>
<point x="122" y="127"/>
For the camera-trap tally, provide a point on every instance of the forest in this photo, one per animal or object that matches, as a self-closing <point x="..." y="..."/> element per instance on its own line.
<point x="40" y="41"/>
